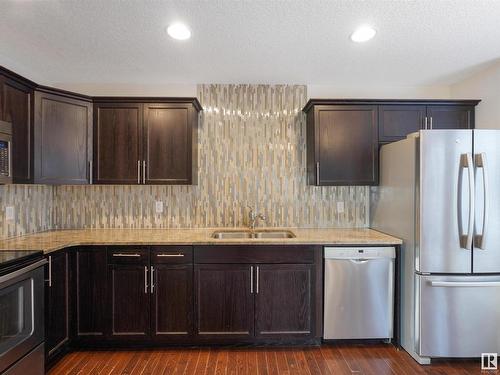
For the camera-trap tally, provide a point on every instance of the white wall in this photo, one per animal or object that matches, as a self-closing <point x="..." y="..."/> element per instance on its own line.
<point x="111" y="89"/>
<point x="484" y="85"/>
<point x="378" y="92"/>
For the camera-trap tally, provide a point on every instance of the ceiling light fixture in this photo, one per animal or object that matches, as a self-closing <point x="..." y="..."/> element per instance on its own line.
<point x="179" y="31"/>
<point x="363" y="34"/>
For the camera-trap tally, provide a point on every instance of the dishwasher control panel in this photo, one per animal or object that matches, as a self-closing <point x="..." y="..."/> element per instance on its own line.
<point x="359" y="252"/>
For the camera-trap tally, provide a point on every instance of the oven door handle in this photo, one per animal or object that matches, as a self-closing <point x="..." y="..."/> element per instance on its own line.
<point x="22" y="271"/>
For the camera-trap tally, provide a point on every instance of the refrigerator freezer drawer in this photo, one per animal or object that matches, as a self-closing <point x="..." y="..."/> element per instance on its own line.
<point x="458" y="316"/>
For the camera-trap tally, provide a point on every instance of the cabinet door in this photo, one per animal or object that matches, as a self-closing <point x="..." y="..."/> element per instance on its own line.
<point x="395" y="122"/>
<point x="224" y="301"/>
<point x="129" y="293"/>
<point x="450" y="117"/>
<point x="168" y="143"/>
<point x="347" y="145"/>
<point x="16" y="105"/>
<point x="117" y="143"/>
<point x="283" y="300"/>
<point x="57" y="311"/>
<point x="62" y="139"/>
<point x="90" y="284"/>
<point x="172" y="302"/>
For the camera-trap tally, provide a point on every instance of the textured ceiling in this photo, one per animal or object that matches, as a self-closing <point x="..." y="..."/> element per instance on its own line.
<point x="418" y="42"/>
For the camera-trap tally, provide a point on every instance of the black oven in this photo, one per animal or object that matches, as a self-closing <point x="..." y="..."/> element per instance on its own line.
<point x="22" y="316"/>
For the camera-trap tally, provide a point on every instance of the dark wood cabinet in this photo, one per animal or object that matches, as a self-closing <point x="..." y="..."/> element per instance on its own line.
<point x="90" y="291"/>
<point x="395" y="122"/>
<point x="172" y="302"/>
<point x="450" y="116"/>
<point x="57" y="304"/>
<point x="146" y="143"/>
<point x="224" y="301"/>
<point x="129" y="301"/>
<point x="283" y="297"/>
<point x="342" y="144"/>
<point x="16" y="103"/>
<point x="63" y="130"/>
<point x="117" y="143"/>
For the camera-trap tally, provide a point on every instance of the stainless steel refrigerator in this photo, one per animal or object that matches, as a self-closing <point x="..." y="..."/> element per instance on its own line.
<point x="440" y="192"/>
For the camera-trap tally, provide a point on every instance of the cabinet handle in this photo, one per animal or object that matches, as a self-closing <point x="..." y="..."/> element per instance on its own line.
<point x="50" y="272"/>
<point x="138" y="171"/>
<point x="257" y="281"/>
<point x="145" y="279"/>
<point x="431" y="122"/>
<point x="251" y="279"/>
<point x="91" y="167"/>
<point x="425" y="123"/>
<point x="144" y="172"/>
<point x="135" y="255"/>
<point x="152" y="280"/>
<point x="169" y="255"/>
<point x="317" y="173"/>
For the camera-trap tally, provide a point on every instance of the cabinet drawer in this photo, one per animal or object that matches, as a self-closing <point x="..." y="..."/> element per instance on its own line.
<point x="171" y="254"/>
<point x="254" y="254"/>
<point x="128" y="255"/>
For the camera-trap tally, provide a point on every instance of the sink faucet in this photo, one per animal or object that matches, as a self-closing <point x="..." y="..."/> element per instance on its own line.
<point x="253" y="217"/>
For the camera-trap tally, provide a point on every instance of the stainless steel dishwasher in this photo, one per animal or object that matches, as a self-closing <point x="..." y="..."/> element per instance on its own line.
<point x="359" y="293"/>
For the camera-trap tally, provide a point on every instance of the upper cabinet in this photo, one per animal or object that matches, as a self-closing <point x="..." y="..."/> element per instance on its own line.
<point x="63" y="133"/>
<point x="145" y="142"/>
<point x="343" y="135"/>
<point x="397" y="119"/>
<point x="16" y="97"/>
<point x="342" y="145"/>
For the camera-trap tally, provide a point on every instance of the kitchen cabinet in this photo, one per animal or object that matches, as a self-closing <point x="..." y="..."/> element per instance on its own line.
<point x="450" y="117"/>
<point x="57" y="304"/>
<point x="283" y="298"/>
<point x="224" y="300"/>
<point x="16" y="103"/>
<point x="171" y="293"/>
<point x="342" y="145"/>
<point x="397" y="121"/>
<point x="145" y="142"/>
<point x="117" y="146"/>
<point x="63" y="130"/>
<point x="90" y="291"/>
<point x="128" y="283"/>
<point x="257" y="293"/>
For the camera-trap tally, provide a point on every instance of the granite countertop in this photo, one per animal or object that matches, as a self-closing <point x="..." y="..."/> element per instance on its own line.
<point x="58" y="239"/>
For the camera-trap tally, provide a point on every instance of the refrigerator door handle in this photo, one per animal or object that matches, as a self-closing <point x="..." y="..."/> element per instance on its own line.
<point x="466" y="239"/>
<point x="479" y="239"/>
<point x="468" y="284"/>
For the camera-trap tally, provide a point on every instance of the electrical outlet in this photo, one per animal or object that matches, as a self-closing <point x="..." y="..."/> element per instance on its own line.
<point x="340" y="207"/>
<point x="9" y="213"/>
<point x="159" y="207"/>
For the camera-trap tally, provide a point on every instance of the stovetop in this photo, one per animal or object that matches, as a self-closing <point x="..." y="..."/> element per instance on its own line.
<point x="10" y="260"/>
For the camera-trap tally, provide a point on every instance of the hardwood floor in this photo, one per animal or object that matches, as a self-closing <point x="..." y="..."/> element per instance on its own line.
<point x="376" y="359"/>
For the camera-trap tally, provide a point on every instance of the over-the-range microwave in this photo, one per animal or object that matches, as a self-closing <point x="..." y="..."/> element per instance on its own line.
<point x="5" y="152"/>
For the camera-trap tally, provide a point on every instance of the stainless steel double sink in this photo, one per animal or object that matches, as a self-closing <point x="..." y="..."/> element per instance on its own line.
<point x="256" y="234"/>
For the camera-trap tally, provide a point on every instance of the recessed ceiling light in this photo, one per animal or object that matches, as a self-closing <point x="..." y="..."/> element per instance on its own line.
<point x="363" y="34"/>
<point x="179" y="31"/>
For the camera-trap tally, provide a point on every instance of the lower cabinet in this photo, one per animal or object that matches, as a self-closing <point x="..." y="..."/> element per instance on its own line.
<point x="283" y="297"/>
<point x="57" y="304"/>
<point x="224" y="300"/>
<point x="122" y="296"/>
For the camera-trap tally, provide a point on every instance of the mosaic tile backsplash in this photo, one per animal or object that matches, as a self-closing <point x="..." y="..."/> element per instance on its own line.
<point x="252" y="151"/>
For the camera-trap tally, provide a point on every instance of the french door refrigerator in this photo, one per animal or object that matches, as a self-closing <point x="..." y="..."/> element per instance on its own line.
<point x="440" y="192"/>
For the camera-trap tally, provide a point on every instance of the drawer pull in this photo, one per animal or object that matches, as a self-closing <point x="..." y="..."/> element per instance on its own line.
<point x="169" y="255"/>
<point x="135" y="255"/>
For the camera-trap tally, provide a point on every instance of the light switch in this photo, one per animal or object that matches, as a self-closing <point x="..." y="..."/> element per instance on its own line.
<point x="9" y="213"/>
<point x="159" y="207"/>
<point x="340" y="207"/>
